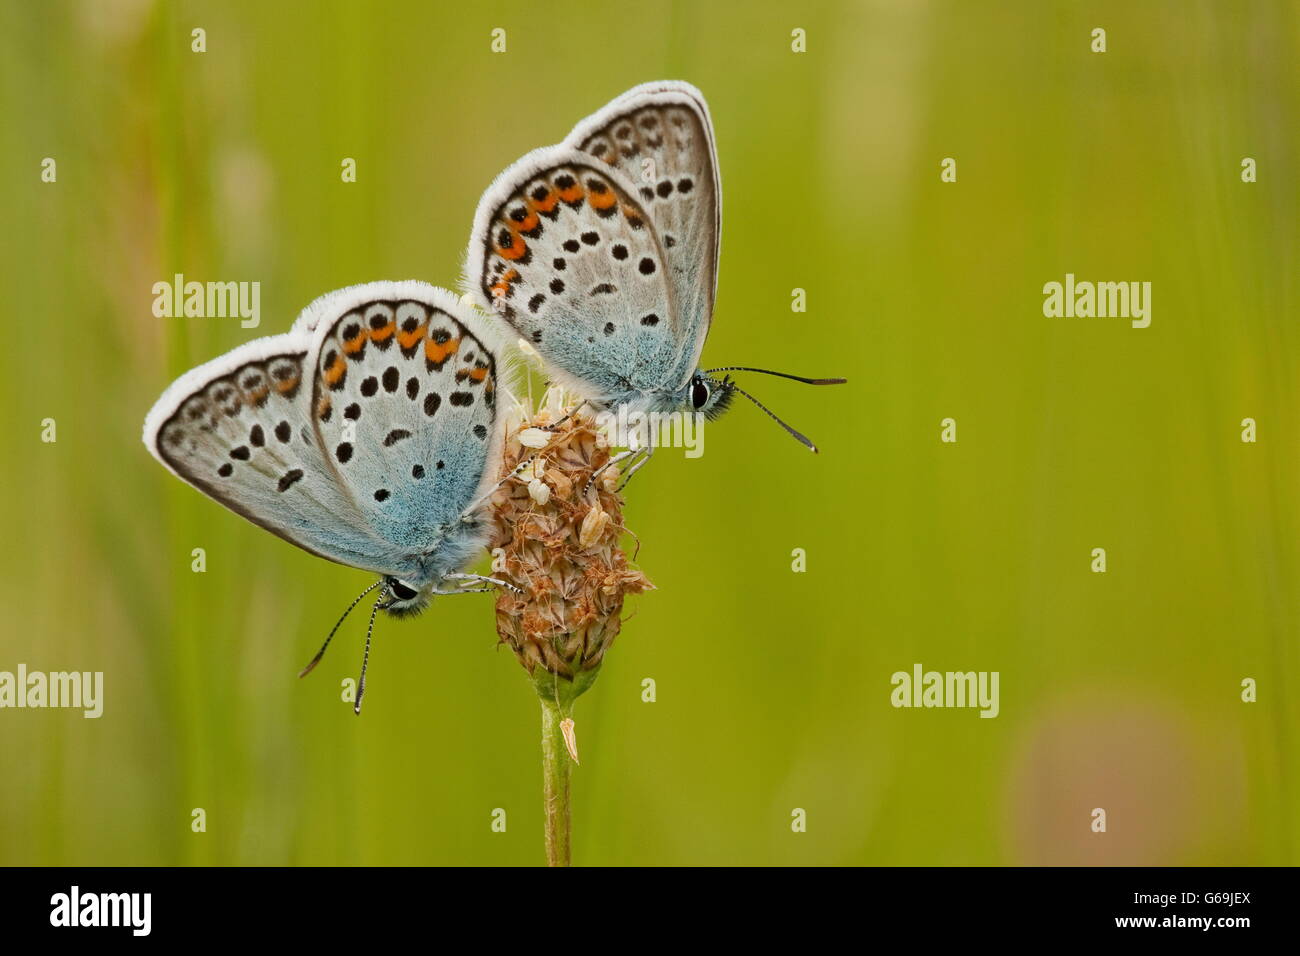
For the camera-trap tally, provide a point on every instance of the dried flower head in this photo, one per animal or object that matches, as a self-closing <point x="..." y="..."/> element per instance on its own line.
<point x="558" y="541"/>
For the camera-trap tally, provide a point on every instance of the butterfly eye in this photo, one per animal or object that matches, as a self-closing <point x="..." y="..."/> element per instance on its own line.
<point x="401" y="591"/>
<point x="699" y="394"/>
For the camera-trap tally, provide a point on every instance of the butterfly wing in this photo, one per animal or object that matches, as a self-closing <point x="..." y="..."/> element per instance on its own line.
<point x="259" y="430"/>
<point x="404" y="403"/>
<point x="564" y="251"/>
<point x="660" y="136"/>
<point x="237" y="429"/>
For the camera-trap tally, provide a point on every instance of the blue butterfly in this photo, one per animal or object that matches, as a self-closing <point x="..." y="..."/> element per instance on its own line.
<point x="368" y="434"/>
<point x="602" y="253"/>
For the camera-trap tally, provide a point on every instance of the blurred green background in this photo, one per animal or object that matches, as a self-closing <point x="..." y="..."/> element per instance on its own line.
<point x="1118" y="690"/>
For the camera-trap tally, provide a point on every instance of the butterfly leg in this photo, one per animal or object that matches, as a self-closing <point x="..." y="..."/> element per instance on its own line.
<point x="636" y="466"/>
<point x="469" y="513"/>
<point x="481" y="579"/>
<point x="615" y="460"/>
<point x="567" y="415"/>
<point x="646" y="451"/>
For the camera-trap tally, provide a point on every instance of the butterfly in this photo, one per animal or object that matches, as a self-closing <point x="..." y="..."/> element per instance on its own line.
<point x="602" y="254"/>
<point x="369" y="434"/>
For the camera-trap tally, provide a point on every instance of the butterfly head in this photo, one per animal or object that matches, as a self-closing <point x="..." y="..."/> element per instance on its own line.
<point x="708" y="396"/>
<point x="712" y="396"/>
<point x="403" y="599"/>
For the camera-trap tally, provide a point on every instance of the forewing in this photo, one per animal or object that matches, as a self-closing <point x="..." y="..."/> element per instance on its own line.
<point x="660" y="137"/>
<point x="404" y="403"/>
<point x="237" y="430"/>
<point x="564" y="251"/>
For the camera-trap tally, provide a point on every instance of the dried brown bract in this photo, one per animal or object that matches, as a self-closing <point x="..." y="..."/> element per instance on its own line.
<point x="561" y="548"/>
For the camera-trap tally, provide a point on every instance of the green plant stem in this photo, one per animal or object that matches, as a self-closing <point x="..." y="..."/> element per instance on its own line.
<point x="555" y="785"/>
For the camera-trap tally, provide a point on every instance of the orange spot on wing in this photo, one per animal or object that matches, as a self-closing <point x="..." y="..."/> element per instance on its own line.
<point x="572" y="194"/>
<point x="502" y="285"/>
<point x="335" y="370"/>
<point x="287" y="385"/>
<point x="602" y="200"/>
<point x="383" y="334"/>
<point x="323" y="406"/>
<point x="438" y="353"/>
<point x="408" y="340"/>
<point x="478" y="373"/>
<point x="516" y="249"/>
<point x="355" y="344"/>
<point x="545" y="204"/>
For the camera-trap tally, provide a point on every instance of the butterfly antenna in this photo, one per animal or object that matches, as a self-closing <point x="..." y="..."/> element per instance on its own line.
<point x="321" y="653"/>
<point x="365" y="658"/>
<point x="767" y="371"/>
<point x="798" y="436"/>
